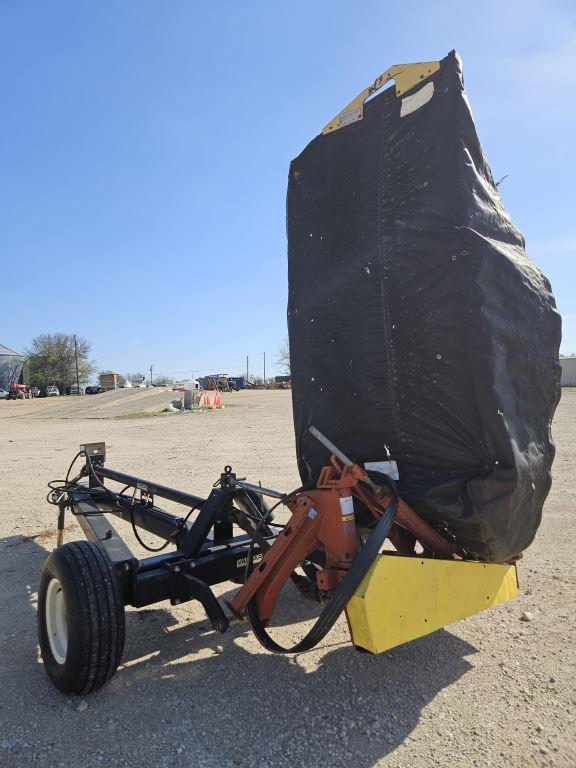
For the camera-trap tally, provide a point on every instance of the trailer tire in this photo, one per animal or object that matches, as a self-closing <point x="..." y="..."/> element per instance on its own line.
<point x="81" y="625"/>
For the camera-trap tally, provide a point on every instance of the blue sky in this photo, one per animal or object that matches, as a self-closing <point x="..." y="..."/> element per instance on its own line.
<point x="144" y="151"/>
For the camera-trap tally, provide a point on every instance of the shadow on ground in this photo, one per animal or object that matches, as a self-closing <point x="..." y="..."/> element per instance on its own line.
<point x="190" y="697"/>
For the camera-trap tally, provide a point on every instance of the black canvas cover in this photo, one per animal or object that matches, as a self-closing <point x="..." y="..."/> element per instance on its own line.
<point x="419" y="331"/>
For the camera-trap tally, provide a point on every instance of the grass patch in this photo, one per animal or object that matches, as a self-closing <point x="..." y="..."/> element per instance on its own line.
<point x="152" y="414"/>
<point x="142" y="415"/>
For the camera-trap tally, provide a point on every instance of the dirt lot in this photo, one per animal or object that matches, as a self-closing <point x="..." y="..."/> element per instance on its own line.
<point x="490" y="691"/>
<point x="108" y="405"/>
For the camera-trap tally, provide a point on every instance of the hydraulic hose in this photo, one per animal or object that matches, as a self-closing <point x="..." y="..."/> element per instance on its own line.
<point x="343" y="593"/>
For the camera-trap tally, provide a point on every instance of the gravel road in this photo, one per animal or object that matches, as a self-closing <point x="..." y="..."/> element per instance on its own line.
<point x="494" y="690"/>
<point x="107" y="405"/>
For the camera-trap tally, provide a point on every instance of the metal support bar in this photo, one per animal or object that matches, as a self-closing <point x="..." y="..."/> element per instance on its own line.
<point x="330" y="446"/>
<point x="180" y="497"/>
<point x="154" y="580"/>
<point x="335" y="451"/>
<point x="61" y="514"/>
<point x="98" y="529"/>
<point x="232" y="546"/>
<point x="210" y="512"/>
<point x="258" y="489"/>
<point x="150" y="518"/>
<point x="184" y="587"/>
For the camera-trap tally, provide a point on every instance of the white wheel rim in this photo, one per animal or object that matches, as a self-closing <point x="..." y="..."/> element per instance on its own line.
<point x="56" y="624"/>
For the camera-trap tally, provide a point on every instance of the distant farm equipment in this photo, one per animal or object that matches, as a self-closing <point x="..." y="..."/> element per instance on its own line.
<point x="18" y="392"/>
<point x="282" y="382"/>
<point x="220" y="381"/>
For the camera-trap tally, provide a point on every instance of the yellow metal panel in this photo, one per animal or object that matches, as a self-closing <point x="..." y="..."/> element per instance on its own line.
<point x="406" y="77"/>
<point x="402" y="598"/>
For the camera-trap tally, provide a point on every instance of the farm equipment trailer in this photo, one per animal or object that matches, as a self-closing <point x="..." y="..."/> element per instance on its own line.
<point x="329" y="549"/>
<point x="468" y="469"/>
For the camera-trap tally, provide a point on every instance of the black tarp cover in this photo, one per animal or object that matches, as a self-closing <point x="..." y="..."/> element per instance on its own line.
<point x="418" y="328"/>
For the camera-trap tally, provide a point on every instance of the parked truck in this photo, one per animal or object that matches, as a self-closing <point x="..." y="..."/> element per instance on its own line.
<point x="109" y="381"/>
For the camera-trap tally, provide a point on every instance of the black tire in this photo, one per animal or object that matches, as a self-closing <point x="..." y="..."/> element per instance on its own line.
<point x="94" y="617"/>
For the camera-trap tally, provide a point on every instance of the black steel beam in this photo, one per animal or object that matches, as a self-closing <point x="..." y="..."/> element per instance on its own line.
<point x="209" y="549"/>
<point x="180" y="497"/>
<point x="209" y="514"/>
<point x="152" y="519"/>
<point x="187" y="572"/>
<point x="152" y="585"/>
<point x="98" y="529"/>
<point x="148" y="517"/>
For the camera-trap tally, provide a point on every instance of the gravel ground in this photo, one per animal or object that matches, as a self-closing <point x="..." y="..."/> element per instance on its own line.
<point x="493" y="690"/>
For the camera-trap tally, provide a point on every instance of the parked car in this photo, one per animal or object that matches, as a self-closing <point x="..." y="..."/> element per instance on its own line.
<point x="74" y="390"/>
<point x="3" y="394"/>
<point x="93" y="390"/>
<point x="34" y="392"/>
<point x="52" y="391"/>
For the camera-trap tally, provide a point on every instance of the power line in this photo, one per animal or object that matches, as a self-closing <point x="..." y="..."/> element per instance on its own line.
<point x="212" y="366"/>
<point x="230" y="368"/>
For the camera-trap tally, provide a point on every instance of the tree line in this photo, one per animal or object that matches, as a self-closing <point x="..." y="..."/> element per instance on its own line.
<point x="51" y="359"/>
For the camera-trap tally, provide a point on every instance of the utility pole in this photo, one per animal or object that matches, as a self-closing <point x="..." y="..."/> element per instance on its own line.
<point x="264" y="369"/>
<point x="76" y="357"/>
<point x="151" y="367"/>
<point x="247" y="379"/>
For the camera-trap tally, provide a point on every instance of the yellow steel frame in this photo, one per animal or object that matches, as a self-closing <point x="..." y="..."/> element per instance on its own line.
<point x="402" y="598"/>
<point x="406" y="76"/>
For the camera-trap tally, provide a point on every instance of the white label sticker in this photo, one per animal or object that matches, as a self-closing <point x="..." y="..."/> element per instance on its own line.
<point x="349" y="116"/>
<point x="389" y="468"/>
<point x="347" y="505"/>
<point x="416" y="100"/>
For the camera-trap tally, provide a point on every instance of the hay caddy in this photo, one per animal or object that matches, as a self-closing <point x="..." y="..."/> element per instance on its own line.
<point x="329" y="548"/>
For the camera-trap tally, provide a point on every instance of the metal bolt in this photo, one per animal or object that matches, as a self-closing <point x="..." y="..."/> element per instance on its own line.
<point x="176" y="569"/>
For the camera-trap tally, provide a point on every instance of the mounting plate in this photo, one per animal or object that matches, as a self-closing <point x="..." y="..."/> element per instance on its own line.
<point x="406" y="76"/>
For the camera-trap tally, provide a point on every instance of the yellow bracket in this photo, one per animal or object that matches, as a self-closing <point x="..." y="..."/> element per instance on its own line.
<point x="402" y="598"/>
<point x="406" y="77"/>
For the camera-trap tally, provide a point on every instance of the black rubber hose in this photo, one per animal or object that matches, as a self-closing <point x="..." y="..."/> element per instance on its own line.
<point x="343" y="593"/>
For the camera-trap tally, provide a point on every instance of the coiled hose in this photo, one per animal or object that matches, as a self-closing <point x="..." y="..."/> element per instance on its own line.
<point x="346" y="589"/>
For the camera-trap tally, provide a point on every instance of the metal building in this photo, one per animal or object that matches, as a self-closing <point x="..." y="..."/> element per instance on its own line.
<point x="568" y="371"/>
<point x="10" y="367"/>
